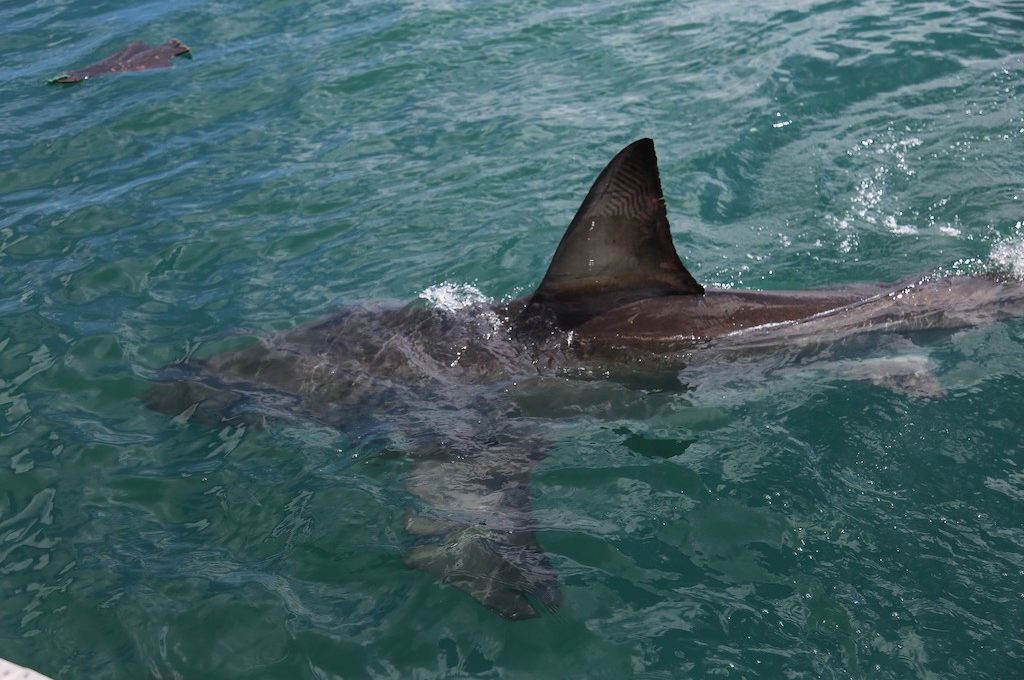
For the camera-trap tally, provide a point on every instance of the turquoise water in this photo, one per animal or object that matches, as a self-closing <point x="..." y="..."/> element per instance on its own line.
<point x="770" y="522"/>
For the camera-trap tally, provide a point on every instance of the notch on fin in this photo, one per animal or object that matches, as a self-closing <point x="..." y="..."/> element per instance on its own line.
<point x="618" y="248"/>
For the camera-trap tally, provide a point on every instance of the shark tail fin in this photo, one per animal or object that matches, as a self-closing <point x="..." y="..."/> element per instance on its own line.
<point x="618" y="248"/>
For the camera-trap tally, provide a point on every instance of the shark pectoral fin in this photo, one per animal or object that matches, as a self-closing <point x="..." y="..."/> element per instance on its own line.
<point x="924" y="385"/>
<point x="911" y="375"/>
<point x="506" y="577"/>
<point x="618" y="248"/>
<point x="476" y="530"/>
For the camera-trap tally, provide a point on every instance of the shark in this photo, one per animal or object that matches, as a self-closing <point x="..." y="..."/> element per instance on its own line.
<point x="457" y="390"/>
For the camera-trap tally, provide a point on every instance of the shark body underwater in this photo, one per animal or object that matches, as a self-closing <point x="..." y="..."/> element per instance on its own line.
<point x="616" y="293"/>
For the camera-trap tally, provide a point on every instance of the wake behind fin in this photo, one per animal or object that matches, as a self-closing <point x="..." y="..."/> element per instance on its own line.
<point x="618" y="248"/>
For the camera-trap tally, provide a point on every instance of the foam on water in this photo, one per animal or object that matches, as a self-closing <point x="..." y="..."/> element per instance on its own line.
<point x="454" y="297"/>
<point x="1007" y="254"/>
<point x="451" y="297"/>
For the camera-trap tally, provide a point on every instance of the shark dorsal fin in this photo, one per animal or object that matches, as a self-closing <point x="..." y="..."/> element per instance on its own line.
<point x="618" y="248"/>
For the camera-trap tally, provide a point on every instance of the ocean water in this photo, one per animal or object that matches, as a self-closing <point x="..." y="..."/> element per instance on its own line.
<point x="777" y="520"/>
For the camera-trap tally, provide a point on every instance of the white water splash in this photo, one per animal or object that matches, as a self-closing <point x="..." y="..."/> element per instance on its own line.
<point x="896" y="228"/>
<point x="452" y="297"/>
<point x="455" y="297"/>
<point x="1007" y="254"/>
<point x="871" y="204"/>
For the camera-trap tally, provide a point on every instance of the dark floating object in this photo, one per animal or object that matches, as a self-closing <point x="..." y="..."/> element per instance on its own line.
<point x="136" y="57"/>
